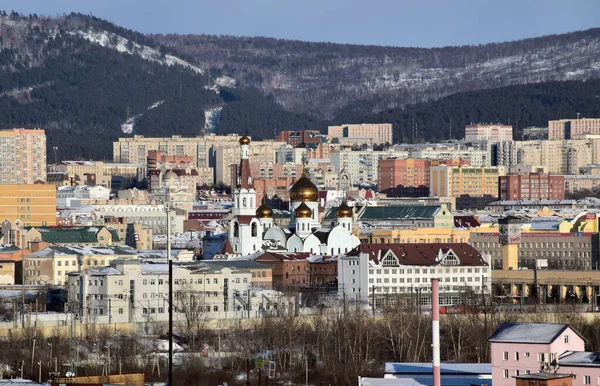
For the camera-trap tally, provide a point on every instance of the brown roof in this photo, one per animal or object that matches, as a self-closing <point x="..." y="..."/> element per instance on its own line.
<point x="244" y="220"/>
<point x="423" y="253"/>
<point x="244" y="175"/>
<point x="289" y="256"/>
<point x="227" y="248"/>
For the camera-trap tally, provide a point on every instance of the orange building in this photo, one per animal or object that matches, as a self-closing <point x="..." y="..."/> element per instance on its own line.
<point x="157" y="159"/>
<point x="31" y="204"/>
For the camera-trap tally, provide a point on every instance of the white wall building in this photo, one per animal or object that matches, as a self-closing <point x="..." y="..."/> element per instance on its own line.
<point x="136" y="291"/>
<point x="151" y="216"/>
<point x="396" y="269"/>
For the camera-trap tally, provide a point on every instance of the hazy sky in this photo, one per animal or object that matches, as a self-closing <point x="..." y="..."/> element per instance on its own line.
<point x="422" y="23"/>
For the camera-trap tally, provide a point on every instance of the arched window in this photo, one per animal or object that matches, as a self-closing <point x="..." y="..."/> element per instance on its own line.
<point x="244" y="201"/>
<point x="254" y="229"/>
<point x="236" y="229"/>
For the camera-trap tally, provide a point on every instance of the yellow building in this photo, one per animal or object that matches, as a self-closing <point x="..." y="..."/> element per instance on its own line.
<point x="414" y="235"/>
<point x="32" y="205"/>
<point x="22" y="156"/>
<point x="456" y="181"/>
<point x="94" y="173"/>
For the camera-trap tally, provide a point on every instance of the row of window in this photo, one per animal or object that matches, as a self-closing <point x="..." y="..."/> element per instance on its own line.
<point x="417" y="271"/>
<point x="455" y="279"/>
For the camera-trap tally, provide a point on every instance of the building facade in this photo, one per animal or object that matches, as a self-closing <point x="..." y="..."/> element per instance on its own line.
<point x="483" y="132"/>
<point x="369" y="133"/>
<point x="531" y="186"/>
<point x="573" y="128"/>
<point x="31" y="204"/>
<point x="456" y="181"/>
<point x="22" y="156"/>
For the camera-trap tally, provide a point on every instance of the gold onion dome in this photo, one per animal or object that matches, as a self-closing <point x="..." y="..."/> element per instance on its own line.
<point x="304" y="190"/>
<point x="303" y="211"/>
<point x="244" y="140"/>
<point x="264" y="211"/>
<point x="343" y="211"/>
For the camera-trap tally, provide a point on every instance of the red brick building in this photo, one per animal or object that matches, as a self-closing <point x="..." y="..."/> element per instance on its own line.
<point x="289" y="268"/>
<point x="531" y="186"/>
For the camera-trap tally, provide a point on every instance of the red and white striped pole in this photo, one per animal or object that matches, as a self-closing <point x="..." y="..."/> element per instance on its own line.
<point x="435" y="330"/>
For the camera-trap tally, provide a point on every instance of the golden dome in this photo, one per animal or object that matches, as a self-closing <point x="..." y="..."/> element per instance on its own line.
<point x="343" y="211"/>
<point x="244" y="140"/>
<point x="264" y="211"/>
<point x="304" y="190"/>
<point x="303" y="211"/>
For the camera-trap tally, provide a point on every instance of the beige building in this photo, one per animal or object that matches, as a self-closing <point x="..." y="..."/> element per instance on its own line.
<point x="574" y="184"/>
<point x="96" y="173"/>
<point x="260" y="152"/>
<point x="52" y="264"/>
<point x="573" y="128"/>
<point x="369" y="133"/>
<point x="32" y="205"/>
<point x="481" y="132"/>
<point x="456" y="181"/>
<point x="135" y="150"/>
<point x="22" y="156"/>
<point x="132" y="234"/>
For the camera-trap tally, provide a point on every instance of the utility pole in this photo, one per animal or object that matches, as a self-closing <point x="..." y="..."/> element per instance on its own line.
<point x="32" y="353"/>
<point x="168" y="210"/>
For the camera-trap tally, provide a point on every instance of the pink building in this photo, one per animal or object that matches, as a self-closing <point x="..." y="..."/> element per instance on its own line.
<point x="517" y="348"/>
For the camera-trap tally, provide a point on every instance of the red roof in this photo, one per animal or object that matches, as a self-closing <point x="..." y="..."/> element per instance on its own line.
<point x="244" y="220"/>
<point x="422" y="253"/>
<point x="227" y="248"/>
<point x="244" y="175"/>
<point x="285" y="256"/>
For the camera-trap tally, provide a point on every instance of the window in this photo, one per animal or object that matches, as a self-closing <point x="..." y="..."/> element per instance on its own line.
<point x="120" y="311"/>
<point x="517" y="356"/>
<point x="526" y="354"/>
<point x="587" y="380"/>
<point x="505" y="355"/>
<point x="516" y="372"/>
<point x="527" y="372"/>
<point x="505" y="372"/>
<point x="566" y="339"/>
<point x="216" y="308"/>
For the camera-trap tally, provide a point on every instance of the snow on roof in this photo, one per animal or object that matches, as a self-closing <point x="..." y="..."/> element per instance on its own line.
<point x="445" y="368"/>
<point x="527" y="332"/>
<point x="580" y="358"/>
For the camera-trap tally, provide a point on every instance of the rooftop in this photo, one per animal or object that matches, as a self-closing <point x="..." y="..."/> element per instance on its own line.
<point x="445" y="368"/>
<point x="580" y="358"/>
<point x="398" y="212"/>
<point x="540" y="333"/>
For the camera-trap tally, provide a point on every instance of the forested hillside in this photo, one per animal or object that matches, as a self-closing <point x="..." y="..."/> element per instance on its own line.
<point x="319" y="79"/>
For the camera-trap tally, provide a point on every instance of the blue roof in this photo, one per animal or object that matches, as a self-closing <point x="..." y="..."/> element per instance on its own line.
<point x="580" y="358"/>
<point x="423" y="381"/>
<point x="528" y="332"/>
<point x="544" y="226"/>
<point x="445" y="368"/>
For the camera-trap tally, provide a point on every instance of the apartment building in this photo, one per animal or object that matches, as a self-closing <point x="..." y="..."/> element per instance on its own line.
<point x="151" y="216"/>
<point x="456" y="181"/>
<point x="32" y="205"/>
<point x="488" y="132"/>
<point x="114" y="176"/>
<point x="22" y="156"/>
<point x="531" y="186"/>
<point x="476" y="158"/>
<point x="573" y="128"/>
<point x="52" y="265"/>
<point x="574" y="184"/>
<point x="369" y="133"/>
<point x="130" y="290"/>
<point x="360" y="165"/>
<point x="394" y="270"/>
<point x="260" y="153"/>
<point x="560" y="244"/>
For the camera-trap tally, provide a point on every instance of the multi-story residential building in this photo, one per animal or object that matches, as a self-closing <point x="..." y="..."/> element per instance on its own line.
<point x="456" y="181"/>
<point x="81" y="195"/>
<point x="413" y="235"/>
<point x="152" y="216"/>
<point x="573" y="128"/>
<point x="157" y="159"/>
<point x="535" y="133"/>
<point x="476" y="158"/>
<point x="32" y="205"/>
<point x="519" y="348"/>
<point x="53" y="264"/>
<point x="260" y="152"/>
<point x="574" y="184"/>
<point x="114" y="176"/>
<point x="297" y="137"/>
<point x="22" y="156"/>
<point x="135" y="235"/>
<point x="558" y="244"/>
<point x="360" y="165"/>
<point x="531" y="186"/>
<point x="133" y="291"/>
<point x="369" y="133"/>
<point x="407" y="269"/>
<point x="488" y="132"/>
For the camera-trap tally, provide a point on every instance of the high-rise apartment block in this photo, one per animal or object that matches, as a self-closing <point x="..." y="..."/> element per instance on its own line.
<point x="369" y="133"/>
<point x="531" y="186"/>
<point x="22" y="156"/>
<point x="31" y="204"/>
<point x="456" y="181"/>
<point x="573" y="128"/>
<point x="484" y="132"/>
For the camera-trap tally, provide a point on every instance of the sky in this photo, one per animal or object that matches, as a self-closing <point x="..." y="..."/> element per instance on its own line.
<point x="415" y="23"/>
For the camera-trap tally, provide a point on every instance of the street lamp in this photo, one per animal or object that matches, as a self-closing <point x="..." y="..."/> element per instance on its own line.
<point x="50" y="359"/>
<point x="168" y="211"/>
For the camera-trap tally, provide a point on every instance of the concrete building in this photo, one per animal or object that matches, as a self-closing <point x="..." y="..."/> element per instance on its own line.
<point x="262" y="152"/>
<point x="456" y="181"/>
<point x="130" y="290"/>
<point x="135" y="235"/>
<point x="52" y="265"/>
<point x="369" y="133"/>
<point x="519" y="349"/>
<point x="404" y="269"/>
<point x="31" y="204"/>
<point x="151" y="216"/>
<point x="531" y="186"/>
<point x="11" y="259"/>
<point x="555" y="244"/>
<point x="81" y="195"/>
<point x="475" y="157"/>
<point x="402" y="216"/>
<point x="22" y="156"/>
<point x="114" y="176"/>
<point x="573" y="128"/>
<point x="574" y="184"/>
<point x="360" y="165"/>
<point x="488" y="132"/>
<point x="413" y="235"/>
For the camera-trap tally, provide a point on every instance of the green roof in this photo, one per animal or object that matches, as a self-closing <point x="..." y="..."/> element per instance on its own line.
<point x="115" y="235"/>
<point x="398" y="212"/>
<point x="331" y="214"/>
<point x="57" y="235"/>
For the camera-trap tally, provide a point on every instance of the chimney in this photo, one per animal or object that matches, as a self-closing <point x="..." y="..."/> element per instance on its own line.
<point x="435" y="330"/>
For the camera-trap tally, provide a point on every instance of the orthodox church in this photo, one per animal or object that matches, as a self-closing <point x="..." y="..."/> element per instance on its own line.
<point x="252" y="229"/>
